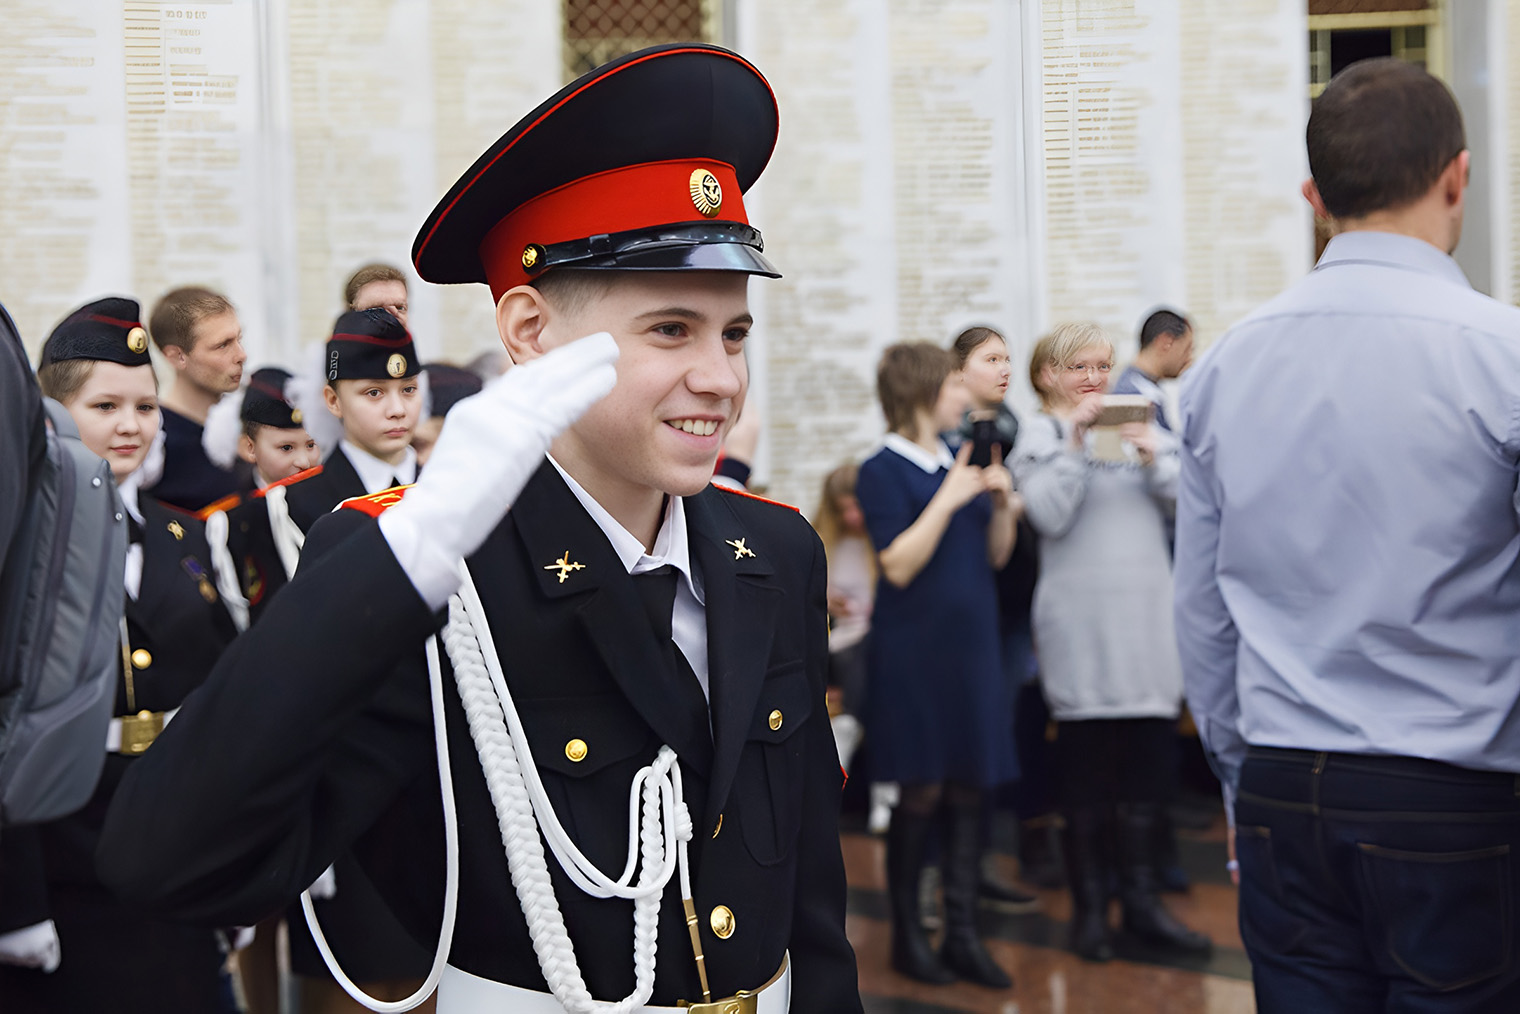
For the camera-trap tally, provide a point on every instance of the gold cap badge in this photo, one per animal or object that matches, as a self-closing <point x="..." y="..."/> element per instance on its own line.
<point x="532" y="254"/>
<point x="706" y="192"/>
<point x="295" y="416"/>
<point x="396" y="364"/>
<point x="137" y="340"/>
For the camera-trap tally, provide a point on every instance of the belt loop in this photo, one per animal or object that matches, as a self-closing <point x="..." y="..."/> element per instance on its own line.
<point x="1320" y="760"/>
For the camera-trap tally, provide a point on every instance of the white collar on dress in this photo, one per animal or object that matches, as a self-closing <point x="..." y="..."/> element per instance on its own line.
<point x="671" y="543"/>
<point x="931" y="463"/>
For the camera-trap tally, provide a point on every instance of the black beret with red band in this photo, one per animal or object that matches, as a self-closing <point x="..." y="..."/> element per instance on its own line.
<point x="641" y="164"/>
<point x="370" y="345"/>
<point x="107" y="330"/>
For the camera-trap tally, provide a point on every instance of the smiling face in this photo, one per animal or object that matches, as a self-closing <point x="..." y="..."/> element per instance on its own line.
<point x="278" y="453"/>
<point x="681" y="381"/>
<point x="986" y="373"/>
<point x="1087" y="373"/>
<point x="116" y="410"/>
<point x="378" y="415"/>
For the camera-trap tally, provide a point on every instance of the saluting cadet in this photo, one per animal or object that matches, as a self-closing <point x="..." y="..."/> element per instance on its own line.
<point x="118" y="956"/>
<point x="633" y="669"/>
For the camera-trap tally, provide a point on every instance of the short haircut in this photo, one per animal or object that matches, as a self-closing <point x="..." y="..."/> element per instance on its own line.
<point x="909" y="378"/>
<point x="1059" y="348"/>
<point x="971" y="339"/>
<point x="369" y="273"/>
<point x="1380" y="135"/>
<point x="569" y="290"/>
<point x="179" y="311"/>
<point x="63" y="379"/>
<point x="1163" y="322"/>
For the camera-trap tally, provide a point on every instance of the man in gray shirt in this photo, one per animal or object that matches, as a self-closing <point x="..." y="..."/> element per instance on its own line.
<point x="1348" y="583"/>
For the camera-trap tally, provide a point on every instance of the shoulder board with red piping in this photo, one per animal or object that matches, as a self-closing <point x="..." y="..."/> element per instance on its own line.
<point x="751" y="496"/>
<point x="226" y="503"/>
<point x="289" y="480"/>
<point x="376" y="503"/>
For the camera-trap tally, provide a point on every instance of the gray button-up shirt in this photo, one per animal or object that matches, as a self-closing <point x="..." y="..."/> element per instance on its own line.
<point x="1348" y="549"/>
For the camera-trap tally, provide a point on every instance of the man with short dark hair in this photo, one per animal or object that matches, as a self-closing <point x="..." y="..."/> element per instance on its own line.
<point x="1348" y="583"/>
<point x="197" y="331"/>
<point x="377" y="285"/>
<point x="1166" y="349"/>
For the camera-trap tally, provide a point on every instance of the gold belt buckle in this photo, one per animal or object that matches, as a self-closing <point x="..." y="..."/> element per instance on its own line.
<point x="140" y="730"/>
<point x="742" y="1002"/>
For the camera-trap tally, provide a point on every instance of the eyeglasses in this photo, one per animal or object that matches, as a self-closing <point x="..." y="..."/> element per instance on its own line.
<point x="1102" y="369"/>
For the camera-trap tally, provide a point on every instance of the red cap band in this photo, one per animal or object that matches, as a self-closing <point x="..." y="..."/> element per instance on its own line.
<point x="634" y="197"/>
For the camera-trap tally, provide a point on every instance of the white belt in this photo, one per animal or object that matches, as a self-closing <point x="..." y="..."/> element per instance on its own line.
<point x="459" y="992"/>
<point x="113" y="731"/>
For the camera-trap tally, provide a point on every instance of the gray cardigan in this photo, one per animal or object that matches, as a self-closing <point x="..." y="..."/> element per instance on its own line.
<point x="1103" y="606"/>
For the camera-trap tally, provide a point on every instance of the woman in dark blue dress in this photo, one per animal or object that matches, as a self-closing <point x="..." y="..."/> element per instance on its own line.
<point x="937" y="710"/>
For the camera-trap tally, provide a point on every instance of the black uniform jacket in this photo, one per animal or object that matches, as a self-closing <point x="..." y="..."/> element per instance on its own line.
<point x="316" y="729"/>
<point x="117" y="957"/>
<point x="315" y="496"/>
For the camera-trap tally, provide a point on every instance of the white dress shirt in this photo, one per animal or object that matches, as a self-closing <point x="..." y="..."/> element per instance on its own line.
<point x="376" y="474"/>
<point x="1348" y="545"/>
<point x="671" y="547"/>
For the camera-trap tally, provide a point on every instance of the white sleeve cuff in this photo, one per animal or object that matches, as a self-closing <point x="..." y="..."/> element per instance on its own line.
<point x="34" y="946"/>
<point x="433" y="572"/>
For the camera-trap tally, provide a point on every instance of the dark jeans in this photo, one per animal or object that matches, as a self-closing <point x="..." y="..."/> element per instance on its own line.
<point x="1378" y="884"/>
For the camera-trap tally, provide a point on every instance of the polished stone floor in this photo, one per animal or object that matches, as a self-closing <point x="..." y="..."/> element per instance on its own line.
<point x="1049" y="980"/>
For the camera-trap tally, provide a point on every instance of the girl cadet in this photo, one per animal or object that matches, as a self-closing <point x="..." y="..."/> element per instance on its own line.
<point x="115" y="956"/>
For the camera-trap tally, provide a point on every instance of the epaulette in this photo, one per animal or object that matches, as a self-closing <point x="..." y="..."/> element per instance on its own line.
<point x="226" y="503"/>
<point x="376" y="503"/>
<point x="751" y="496"/>
<point x="289" y="480"/>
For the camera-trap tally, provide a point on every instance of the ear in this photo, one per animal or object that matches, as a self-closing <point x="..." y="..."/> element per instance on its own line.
<point x="1455" y="177"/>
<point x="176" y="356"/>
<point x="1311" y="194"/>
<point x="522" y="315"/>
<point x="245" y="448"/>
<point x="330" y="396"/>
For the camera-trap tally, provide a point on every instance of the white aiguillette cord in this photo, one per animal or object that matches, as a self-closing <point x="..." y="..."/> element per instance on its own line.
<point x="657" y="840"/>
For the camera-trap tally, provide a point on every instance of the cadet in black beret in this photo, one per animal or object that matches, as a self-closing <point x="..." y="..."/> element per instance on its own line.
<point x="117" y="956"/>
<point x="633" y="749"/>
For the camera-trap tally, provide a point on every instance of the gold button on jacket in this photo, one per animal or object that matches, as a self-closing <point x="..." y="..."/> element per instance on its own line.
<point x="142" y="658"/>
<point x="575" y="750"/>
<point x="775" y="720"/>
<point x="722" y="922"/>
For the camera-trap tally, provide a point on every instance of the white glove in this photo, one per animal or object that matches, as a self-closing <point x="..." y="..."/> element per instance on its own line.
<point x="34" y="946"/>
<point x="491" y="445"/>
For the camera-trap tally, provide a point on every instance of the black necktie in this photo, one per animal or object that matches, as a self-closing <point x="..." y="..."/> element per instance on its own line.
<point x="134" y="531"/>
<point x="658" y="590"/>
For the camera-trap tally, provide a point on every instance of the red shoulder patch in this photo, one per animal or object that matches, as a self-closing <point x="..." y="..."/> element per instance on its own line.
<point x="289" y="480"/>
<point x="376" y="503"/>
<point x="226" y="503"/>
<point x="751" y="496"/>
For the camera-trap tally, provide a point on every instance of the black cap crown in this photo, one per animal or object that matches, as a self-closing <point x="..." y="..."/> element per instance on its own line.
<point x="449" y="385"/>
<point x="107" y="330"/>
<point x="265" y="401"/>
<point x="370" y="345"/>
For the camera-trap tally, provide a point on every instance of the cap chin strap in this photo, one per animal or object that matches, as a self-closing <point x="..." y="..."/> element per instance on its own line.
<point x="657" y="840"/>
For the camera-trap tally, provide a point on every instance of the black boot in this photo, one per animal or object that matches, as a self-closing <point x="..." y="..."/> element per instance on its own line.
<point x="907" y="840"/>
<point x="1087" y="871"/>
<point x="1144" y="914"/>
<point x="1040" y="852"/>
<point x="962" y="951"/>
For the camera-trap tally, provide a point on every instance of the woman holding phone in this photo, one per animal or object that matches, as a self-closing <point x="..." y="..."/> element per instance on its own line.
<point x="1103" y="627"/>
<point x="936" y="714"/>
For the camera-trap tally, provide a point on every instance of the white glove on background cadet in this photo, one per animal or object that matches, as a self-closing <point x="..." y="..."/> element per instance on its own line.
<point x="491" y="445"/>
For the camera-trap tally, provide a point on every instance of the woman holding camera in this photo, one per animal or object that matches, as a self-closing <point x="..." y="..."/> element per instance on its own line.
<point x="1103" y="627"/>
<point x="937" y="710"/>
